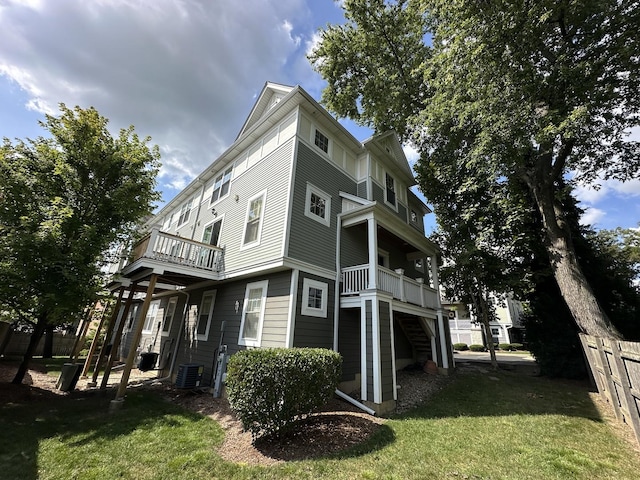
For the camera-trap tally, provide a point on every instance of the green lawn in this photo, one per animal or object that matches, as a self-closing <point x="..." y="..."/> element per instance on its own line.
<point x="495" y="426"/>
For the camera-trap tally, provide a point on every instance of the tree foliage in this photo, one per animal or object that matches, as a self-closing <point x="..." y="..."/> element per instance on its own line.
<point x="64" y="200"/>
<point x="519" y="93"/>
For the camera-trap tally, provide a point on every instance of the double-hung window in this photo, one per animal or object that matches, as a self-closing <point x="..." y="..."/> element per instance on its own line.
<point x="318" y="205"/>
<point x="390" y="190"/>
<point x="321" y="141"/>
<point x="254" y="220"/>
<point x="185" y="211"/>
<point x="221" y="185"/>
<point x="149" y="320"/>
<point x="205" y="314"/>
<point x="314" y="298"/>
<point x="255" y="300"/>
<point x="169" y="313"/>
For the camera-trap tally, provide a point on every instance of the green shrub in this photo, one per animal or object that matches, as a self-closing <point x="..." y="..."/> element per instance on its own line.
<point x="269" y="389"/>
<point x="461" y="347"/>
<point x="507" y="347"/>
<point x="517" y="346"/>
<point x="477" y="348"/>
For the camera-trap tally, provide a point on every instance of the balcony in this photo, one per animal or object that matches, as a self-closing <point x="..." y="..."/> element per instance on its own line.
<point x="178" y="251"/>
<point x="356" y="279"/>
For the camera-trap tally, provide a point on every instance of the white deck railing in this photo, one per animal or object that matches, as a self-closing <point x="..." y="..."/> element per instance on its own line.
<point x="356" y="279"/>
<point x="169" y="248"/>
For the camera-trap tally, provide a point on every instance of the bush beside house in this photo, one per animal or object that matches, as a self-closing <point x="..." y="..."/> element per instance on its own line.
<point x="270" y="388"/>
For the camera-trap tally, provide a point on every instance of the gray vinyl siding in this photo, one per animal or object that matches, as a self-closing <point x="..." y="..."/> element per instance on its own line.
<point x="354" y="247"/>
<point x="306" y="235"/>
<point x="272" y="174"/>
<point x="369" y="336"/>
<point x="314" y="331"/>
<point x="398" y="259"/>
<point x="362" y="190"/>
<point x="274" y="328"/>
<point x="386" y="357"/>
<point x="349" y="338"/>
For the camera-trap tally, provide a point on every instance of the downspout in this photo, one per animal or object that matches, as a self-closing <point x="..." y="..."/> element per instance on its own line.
<point x="353" y="401"/>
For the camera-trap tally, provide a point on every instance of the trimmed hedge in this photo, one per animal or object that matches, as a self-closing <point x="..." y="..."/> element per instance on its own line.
<point x="460" y="347"/>
<point x="269" y="389"/>
<point x="477" y="348"/>
<point x="517" y="346"/>
<point x="506" y="347"/>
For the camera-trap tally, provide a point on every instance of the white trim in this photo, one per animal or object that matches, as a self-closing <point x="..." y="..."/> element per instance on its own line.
<point x="315" y="129"/>
<point x="221" y="173"/>
<point x="163" y="332"/>
<point x="394" y="206"/>
<point x="375" y="339"/>
<point x="219" y="218"/>
<point x="289" y="211"/>
<point x="255" y="242"/>
<point x="151" y="315"/>
<point x="293" y="294"/>
<point x="305" y="309"/>
<point x="250" y="342"/>
<point x="363" y="348"/>
<point x="393" y="351"/>
<point x="312" y="189"/>
<point x="205" y="336"/>
<point x="187" y="211"/>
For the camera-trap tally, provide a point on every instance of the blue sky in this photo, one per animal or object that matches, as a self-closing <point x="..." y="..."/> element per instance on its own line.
<point x="185" y="72"/>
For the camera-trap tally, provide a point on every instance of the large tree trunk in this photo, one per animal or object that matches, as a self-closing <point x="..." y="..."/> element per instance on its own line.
<point x="574" y="286"/>
<point x="40" y="326"/>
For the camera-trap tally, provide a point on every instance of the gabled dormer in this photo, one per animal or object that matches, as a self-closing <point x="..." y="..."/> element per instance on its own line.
<point x="270" y="96"/>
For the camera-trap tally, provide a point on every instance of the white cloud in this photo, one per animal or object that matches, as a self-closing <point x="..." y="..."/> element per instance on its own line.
<point x="592" y="216"/>
<point x="411" y="153"/>
<point x="183" y="72"/>
<point x="588" y="194"/>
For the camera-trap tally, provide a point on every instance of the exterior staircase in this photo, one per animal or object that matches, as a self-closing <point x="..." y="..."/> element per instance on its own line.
<point x="417" y="336"/>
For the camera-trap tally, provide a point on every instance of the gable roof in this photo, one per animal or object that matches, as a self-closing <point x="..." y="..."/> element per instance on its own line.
<point x="387" y="145"/>
<point x="270" y="95"/>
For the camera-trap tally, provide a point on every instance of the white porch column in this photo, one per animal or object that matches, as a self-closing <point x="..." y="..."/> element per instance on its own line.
<point x="441" y="327"/>
<point x="372" y="240"/>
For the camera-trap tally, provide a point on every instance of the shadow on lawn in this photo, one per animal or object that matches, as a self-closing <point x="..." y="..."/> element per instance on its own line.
<point x="84" y="414"/>
<point x="488" y="393"/>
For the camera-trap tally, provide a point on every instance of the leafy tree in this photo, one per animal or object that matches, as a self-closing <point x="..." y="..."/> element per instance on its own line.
<point x="63" y="201"/>
<point x="525" y="92"/>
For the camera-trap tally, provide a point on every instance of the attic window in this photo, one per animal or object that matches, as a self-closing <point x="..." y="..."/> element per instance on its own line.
<point x="414" y="216"/>
<point x="321" y="141"/>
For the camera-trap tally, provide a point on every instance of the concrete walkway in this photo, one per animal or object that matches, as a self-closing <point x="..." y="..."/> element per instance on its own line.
<point x="514" y="361"/>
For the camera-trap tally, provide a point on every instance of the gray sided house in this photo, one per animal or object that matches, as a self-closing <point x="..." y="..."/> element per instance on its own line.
<point x="298" y="235"/>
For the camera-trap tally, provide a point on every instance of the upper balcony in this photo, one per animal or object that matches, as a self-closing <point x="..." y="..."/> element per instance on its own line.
<point x="355" y="280"/>
<point x="179" y="259"/>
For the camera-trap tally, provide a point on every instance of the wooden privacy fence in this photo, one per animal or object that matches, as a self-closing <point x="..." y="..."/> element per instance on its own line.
<point x="616" y="369"/>
<point x="18" y="343"/>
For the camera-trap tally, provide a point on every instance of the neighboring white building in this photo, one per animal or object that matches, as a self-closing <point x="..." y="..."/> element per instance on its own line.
<point x="465" y="328"/>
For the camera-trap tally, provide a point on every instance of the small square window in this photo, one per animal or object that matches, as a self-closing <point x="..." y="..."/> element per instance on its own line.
<point x="318" y="205"/>
<point x="414" y="216"/>
<point x="321" y="141"/>
<point x="314" y="298"/>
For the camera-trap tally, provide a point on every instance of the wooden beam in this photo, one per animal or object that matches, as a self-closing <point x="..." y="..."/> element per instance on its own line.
<point x="96" y="339"/>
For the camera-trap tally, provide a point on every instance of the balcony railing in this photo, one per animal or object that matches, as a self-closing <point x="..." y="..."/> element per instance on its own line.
<point x="356" y="279"/>
<point x="169" y="248"/>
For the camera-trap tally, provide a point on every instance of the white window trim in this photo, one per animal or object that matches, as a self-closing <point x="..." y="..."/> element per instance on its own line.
<point x="213" y="186"/>
<point x="205" y="335"/>
<point x="186" y="220"/>
<point x="166" y="333"/>
<point x="395" y="190"/>
<point x="256" y="242"/>
<point x="219" y="218"/>
<point x="305" y="308"/>
<point x="313" y="141"/>
<point x="311" y="189"/>
<point x="248" y="342"/>
<point x="151" y="315"/>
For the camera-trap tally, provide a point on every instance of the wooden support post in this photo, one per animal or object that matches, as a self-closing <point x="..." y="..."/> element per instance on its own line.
<point x="136" y="339"/>
<point x="94" y="343"/>
<point x="107" y="335"/>
<point x="116" y="340"/>
<point x="77" y="345"/>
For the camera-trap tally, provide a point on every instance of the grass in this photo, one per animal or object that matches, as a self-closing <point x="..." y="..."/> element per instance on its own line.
<point x="496" y="426"/>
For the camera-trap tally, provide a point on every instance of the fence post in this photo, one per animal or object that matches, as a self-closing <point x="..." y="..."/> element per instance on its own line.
<point x="606" y="369"/>
<point x="632" y="407"/>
